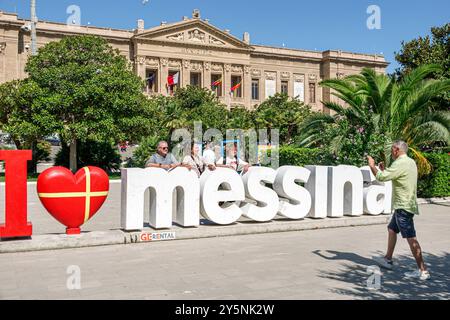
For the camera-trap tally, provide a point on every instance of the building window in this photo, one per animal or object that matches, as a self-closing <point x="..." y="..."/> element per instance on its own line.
<point x="217" y="84"/>
<point x="312" y="93"/>
<point x="236" y="86"/>
<point x="196" y="79"/>
<point x="284" y="87"/>
<point x="151" y="81"/>
<point x="255" y="89"/>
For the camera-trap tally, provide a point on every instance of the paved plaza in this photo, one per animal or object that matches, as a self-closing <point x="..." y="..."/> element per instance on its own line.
<point x="316" y="264"/>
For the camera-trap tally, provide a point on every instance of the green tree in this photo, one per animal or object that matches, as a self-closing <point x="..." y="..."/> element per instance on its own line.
<point x="434" y="49"/>
<point x="102" y="154"/>
<point x="20" y="103"/>
<point x="283" y="113"/>
<point x="89" y="91"/>
<point x="241" y="118"/>
<point x="376" y="104"/>
<point x="188" y="105"/>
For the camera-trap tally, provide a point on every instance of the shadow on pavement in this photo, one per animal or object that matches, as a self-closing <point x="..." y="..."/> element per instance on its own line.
<point x="354" y="270"/>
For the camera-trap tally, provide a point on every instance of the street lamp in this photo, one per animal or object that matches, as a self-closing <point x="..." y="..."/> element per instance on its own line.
<point x="33" y="28"/>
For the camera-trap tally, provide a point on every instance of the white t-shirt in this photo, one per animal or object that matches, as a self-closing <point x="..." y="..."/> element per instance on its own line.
<point x="236" y="165"/>
<point x="209" y="157"/>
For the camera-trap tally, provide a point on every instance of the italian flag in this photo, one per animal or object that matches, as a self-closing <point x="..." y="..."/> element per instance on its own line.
<point x="173" y="79"/>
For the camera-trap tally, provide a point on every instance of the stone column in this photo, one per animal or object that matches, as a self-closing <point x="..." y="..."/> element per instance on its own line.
<point x="185" y="73"/>
<point x="262" y="87"/>
<point x="140" y="66"/>
<point x="247" y="87"/>
<point x="2" y="62"/>
<point x="278" y="82"/>
<point x="227" y="84"/>
<point x="290" y="79"/>
<point x="163" y="74"/>
<point x="206" y="81"/>
<point x="306" y="88"/>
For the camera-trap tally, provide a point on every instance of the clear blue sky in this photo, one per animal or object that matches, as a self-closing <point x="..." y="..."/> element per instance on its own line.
<point x="312" y="24"/>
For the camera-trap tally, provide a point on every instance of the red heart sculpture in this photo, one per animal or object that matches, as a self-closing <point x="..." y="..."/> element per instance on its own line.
<point x="73" y="199"/>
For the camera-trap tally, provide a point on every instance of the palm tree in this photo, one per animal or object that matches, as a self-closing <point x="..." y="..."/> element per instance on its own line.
<point x="380" y="104"/>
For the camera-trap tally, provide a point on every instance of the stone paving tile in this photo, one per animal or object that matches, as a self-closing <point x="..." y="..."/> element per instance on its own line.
<point x="320" y="264"/>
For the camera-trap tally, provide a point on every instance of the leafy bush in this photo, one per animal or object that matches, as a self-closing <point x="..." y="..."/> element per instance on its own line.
<point x="241" y="118"/>
<point x="284" y="113"/>
<point x="43" y="150"/>
<point x="436" y="184"/>
<point x="294" y="156"/>
<point x="104" y="155"/>
<point x="350" y="144"/>
<point x="146" y="148"/>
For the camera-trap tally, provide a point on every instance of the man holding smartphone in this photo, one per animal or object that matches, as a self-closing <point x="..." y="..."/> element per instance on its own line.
<point x="403" y="174"/>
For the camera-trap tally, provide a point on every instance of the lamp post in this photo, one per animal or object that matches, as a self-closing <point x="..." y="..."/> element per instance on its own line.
<point x="33" y="28"/>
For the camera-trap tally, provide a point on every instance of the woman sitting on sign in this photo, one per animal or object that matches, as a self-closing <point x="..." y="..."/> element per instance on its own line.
<point x="196" y="162"/>
<point x="233" y="161"/>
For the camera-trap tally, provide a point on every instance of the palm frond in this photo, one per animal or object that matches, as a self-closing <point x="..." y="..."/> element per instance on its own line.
<point x="419" y="74"/>
<point x="344" y="90"/>
<point x="424" y="167"/>
<point x="421" y="98"/>
<point x="430" y="132"/>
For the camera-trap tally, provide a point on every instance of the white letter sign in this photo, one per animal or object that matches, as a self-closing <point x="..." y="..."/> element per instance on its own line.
<point x="232" y="190"/>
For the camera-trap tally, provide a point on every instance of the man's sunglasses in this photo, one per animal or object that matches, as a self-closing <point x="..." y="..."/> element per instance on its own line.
<point x="165" y="148"/>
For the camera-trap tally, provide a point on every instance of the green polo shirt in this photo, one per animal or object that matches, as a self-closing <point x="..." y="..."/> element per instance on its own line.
<point x="403" y="174"/>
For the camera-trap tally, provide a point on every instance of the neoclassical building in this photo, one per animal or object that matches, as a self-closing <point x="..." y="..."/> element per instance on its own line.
<point x="198" y="53"/>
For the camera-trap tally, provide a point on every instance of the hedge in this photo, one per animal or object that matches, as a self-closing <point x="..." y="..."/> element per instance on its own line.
<point x="436" y="184"/>
<point x="294" y="156"/>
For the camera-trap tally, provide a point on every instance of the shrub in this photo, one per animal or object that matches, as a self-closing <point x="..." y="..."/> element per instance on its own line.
<point x="146" y="148"/>
<point x="295" y="156"/>
<point x="436" y="184"/>
<point x="43" y="151"/>
<point x="241" y="118"/>
<point x="104" y="155"/>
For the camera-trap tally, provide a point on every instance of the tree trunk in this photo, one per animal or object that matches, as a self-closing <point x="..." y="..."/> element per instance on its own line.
<point x="73" y="156"/>
<point x="32" y="165"/>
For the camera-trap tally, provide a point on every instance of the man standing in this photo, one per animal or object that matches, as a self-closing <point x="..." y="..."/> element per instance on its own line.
<point x="163" y="159"/>
<point x="403" y="174"/>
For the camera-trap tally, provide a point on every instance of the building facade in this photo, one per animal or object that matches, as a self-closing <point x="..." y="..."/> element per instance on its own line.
<point x="197" y="53"/>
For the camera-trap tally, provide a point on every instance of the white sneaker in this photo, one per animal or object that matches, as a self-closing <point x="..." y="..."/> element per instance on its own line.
<point x="383" y="262"/>
<point x="422" y="275"/>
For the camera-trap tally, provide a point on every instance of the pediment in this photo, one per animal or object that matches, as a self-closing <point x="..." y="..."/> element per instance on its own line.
<point x="193" y="32"/>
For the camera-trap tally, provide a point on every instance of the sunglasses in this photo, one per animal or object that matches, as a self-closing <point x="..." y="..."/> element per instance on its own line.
<point x="165" y="148"/>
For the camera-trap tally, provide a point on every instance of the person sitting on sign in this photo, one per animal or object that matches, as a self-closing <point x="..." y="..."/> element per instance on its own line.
<point x="209" y="156"/>
<point x="232" y="160"/>
<point x="196" y="162"/>
<point x="163" y="159"/>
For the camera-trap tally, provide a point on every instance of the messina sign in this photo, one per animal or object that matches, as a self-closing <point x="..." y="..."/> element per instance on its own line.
<point x="223" y="196"/>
